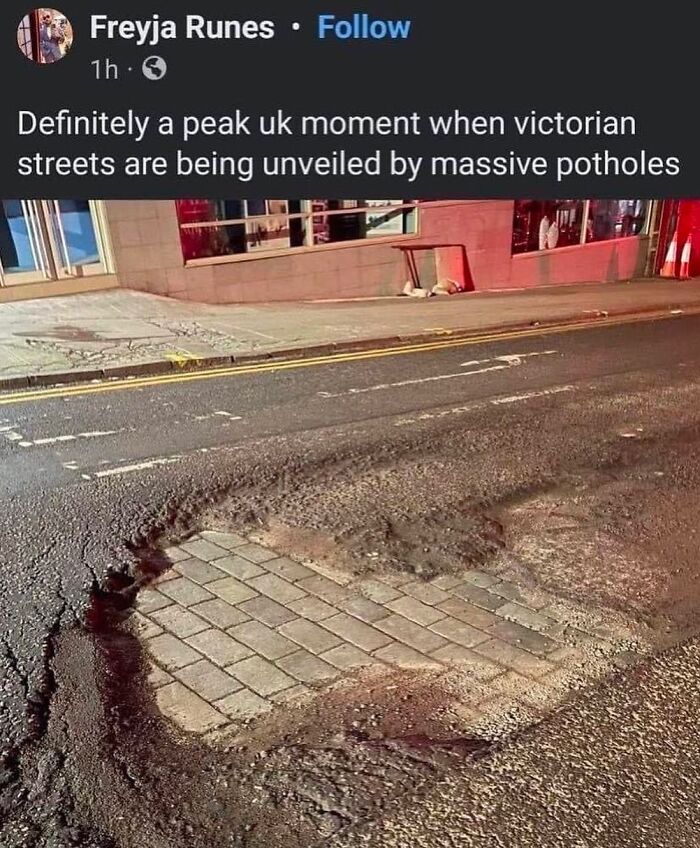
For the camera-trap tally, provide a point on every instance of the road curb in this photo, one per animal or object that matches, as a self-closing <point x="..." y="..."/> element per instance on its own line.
<point x="159" y="367"/>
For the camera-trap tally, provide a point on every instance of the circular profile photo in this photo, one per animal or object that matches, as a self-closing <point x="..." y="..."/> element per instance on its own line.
<point x="45" y="36"/>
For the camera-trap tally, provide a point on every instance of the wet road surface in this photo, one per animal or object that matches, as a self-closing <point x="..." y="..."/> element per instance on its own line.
<point x="381" y="454"/>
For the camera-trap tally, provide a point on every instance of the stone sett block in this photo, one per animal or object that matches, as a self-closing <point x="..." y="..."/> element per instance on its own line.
<point x="415" y="611"/>
<point x="262" y="640"/>
<point x="185" y="592"/>
<point x="425" y="592"/>
<point x="175" y="554"/>
<point x="220" y="614"/>
<point x="276" y="588"/>
<point x="187" y="709"/>
<point x="288" y="569"/>
<point x="468" y="613"/>
<point x="256" y="553"/>
<point x="402" y="656"/>
<point x="513" y="658"/>
<point x="356" y="632"/>
<point x="172" y="653"/>
<point x="413" y="635"/>
<point x="507" y="591"/>
<point x="310" y="636"/>
<point x="523" y="637"/>
<point x="157" y="677"/>
<point x="219" y="647"/>
<point x="379" y="592"/>
<point x="477" y="596"/>
<point x="243" y="705"/>
<point x="261" y="676"/>
<point x="180" y="621"/>
<point x="526" y="617"/>
<point x="323" y="588"/>
<point x="459" y="632"/>
<point x="307" y="668"/>
<point x="364" y="609"/>
<point x="479" y="579"/>
<point x="238" y="567"/>
<point x="149" y="600"/>
<point x="232" y="591"/>
<point x="230" y="541"/>
<point x="268" y="611"/>
<point x="312" y="608"/>
<point x="146" y="628"/>
<point x="348" y="657"/>
<point x="202" y="549"/>
<point x="291" y="697"/>
<point x="208" y="681"/>
<point x="446" y="582"/>
<point x="198" y="571"/>
<point x="468" y="662"/>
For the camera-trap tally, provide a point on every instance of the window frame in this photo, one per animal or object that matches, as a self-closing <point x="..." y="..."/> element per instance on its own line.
<point x="307" y="216"/>
<point x="583" y="242"/>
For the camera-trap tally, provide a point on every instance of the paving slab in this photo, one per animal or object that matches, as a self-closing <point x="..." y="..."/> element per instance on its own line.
<point x="308" y="668"/>
<point x="185" y="592"/>
<point x="243" y="705"/>
<point x="203" y="549"/>
<point x="263" y="640"/>
<point x="187" y="709"/>
<point x="231" y="590"/>
<point x="348" y="657"/>
<point x="413" y="635"/>
<point x="313" y="608"/>
<point x="357" y="632"/>
<point x="268" y="611"/>
<point x="415" y="610"/>
<point x="277" y="588"/>
<point x="238" y="567"/>
<point x="179" y="621"/>
<point x="402" y="656"/>
<point x="198" y="571"/>
<point x="220" y="613"/>
<point x="172" y="653"/>
<point x="288" y="569"/>
<point x="263" y="677"/>
<point x="310" y="636"/>
<point x="208" y="681"/>
<point x="219" y="647"/>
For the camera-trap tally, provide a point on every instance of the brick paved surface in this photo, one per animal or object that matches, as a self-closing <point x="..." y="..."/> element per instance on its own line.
<point x="236" y="630"/>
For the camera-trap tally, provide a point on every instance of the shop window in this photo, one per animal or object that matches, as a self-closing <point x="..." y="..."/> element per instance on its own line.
<point x="612" y="219"/>
<point x="549" y="224"/>
<point x="220" y="228"/>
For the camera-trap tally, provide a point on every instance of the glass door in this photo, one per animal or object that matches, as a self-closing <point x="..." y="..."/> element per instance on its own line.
<point x="50" y="240"/>
<point x="23" y="254"/>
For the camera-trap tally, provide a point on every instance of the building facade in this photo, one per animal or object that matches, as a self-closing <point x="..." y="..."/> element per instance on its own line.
<point x="244" y="251"/>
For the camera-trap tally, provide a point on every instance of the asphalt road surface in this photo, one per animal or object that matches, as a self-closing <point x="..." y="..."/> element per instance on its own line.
<point x="382" y="452"/>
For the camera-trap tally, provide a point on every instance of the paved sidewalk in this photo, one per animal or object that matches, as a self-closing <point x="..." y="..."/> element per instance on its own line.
<point x="236" y="630"/>
<point x="120" y="332"/>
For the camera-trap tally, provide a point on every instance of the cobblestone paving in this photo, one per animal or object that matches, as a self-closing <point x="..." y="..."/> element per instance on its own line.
<point x="234" y="630"/>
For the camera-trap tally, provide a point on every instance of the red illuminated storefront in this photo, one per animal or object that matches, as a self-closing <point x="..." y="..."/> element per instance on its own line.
<point x="682" y="219"/>
<point x="253" y="251"/>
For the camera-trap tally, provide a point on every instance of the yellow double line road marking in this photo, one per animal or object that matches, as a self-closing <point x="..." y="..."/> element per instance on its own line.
<point x="123" y="384"/>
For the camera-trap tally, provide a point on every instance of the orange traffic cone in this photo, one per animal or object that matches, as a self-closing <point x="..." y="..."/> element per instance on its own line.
<point x="668" y="269"/>
<point x="685" y="260"/>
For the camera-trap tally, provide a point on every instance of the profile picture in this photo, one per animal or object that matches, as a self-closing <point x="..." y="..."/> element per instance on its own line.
<point x="45" y="36"/>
